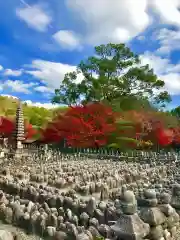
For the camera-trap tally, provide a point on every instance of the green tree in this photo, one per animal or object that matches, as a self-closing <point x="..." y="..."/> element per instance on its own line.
<point x="176" y="112"/>
<point x="112" y="74"/>
<point x="37" y="116"/>
<point x="124" y="136"/>
<point x="132" y="103"/>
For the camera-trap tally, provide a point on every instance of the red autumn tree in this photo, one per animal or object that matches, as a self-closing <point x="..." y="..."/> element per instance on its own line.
<point x="30" y="132"/>
<point x="151" y="126"/>
<point x="165" y="137"/>
<point x="141" y="123"/>
<point x="175" y="131"/>
<point x="50" y="134"/>
<point x="82" y="126"/>
<point x="6" y="127"/>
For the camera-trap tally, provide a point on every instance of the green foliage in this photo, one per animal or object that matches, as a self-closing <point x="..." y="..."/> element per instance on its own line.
<point x="100" y="238"/>
<point x="118" y="139"/>
<point x="132" y="103"/>
<point x="7" y="106"/>
<point x="124" y="123"/>
<point x="112" y="75"/>
<point x="175" y="112"/>
<point x="169" y="119"/>
<point x="37" y="116"/>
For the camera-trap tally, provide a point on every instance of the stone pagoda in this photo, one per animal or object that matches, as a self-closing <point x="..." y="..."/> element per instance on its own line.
<point x="19" y="132"/>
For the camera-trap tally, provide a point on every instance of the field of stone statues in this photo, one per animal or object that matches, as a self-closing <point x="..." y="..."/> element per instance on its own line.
<point x="79" y="198"/>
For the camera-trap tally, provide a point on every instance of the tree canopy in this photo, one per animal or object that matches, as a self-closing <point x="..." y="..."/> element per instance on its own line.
<point x="87" y="125"/>
<point x="7" y="126"/>
<point x="113" y="75"/>
<point x="37" y="116"/>
<point x="176" y="112"/>
<point x="96" y="125"/>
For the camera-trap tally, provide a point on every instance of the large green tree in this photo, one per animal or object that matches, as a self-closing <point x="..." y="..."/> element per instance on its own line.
<point x="113" y="74"/>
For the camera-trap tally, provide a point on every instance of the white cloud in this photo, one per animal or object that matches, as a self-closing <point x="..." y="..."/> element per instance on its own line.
<point x="9" y="96"/>
<point x="168" y="40"/>
<point x="157" y="63"/>
<point x="10" y="72"/>
<point x="165" y="70"/>
<point x="168" y="10"/>
<point x="35" y="17"/>
<point x="50" y="73"/>
<point x="1" y="67"/>
<point x="107" y="22"/>
<point x="103" y="21"/>
<point x="67" y="39"/>
<point x="38" y="104"/>
<point x="121" y="21"/>
<point x="141" y="38"/>
<point x="18" y="86"/>
<point x="43" y="89"/>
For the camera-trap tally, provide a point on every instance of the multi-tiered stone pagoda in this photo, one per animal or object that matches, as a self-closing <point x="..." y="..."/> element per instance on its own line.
<point x="19" y="132"/>
<point x="21" y="145"/>
<point x="17" y="145"/>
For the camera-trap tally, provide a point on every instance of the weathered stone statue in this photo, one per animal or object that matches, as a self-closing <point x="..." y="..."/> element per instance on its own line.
<point x="130" y="226"/>
<point x="172" y="217"/>
<point x="151" y="214"/>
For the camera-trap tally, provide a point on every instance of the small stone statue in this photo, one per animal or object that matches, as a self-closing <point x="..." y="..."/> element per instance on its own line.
<point x="129" y="225"/>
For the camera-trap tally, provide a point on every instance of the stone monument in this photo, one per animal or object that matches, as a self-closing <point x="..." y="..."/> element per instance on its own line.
<point x="19" y="132"/>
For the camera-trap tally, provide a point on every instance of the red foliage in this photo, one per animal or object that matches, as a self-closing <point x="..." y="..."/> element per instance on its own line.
<point x="82" y="126"/>
<point x="91" y="125"/>
<point x="165" y="137"/>
<point x="6" y="127"/>
<point x="151" y="126"/>
<point x="176" y="135"/>
<point x="50" y="135"/>
<point x="30" y="132"/>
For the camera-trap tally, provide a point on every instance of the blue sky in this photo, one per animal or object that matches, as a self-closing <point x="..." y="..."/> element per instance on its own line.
<point x="41" y="40"/>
